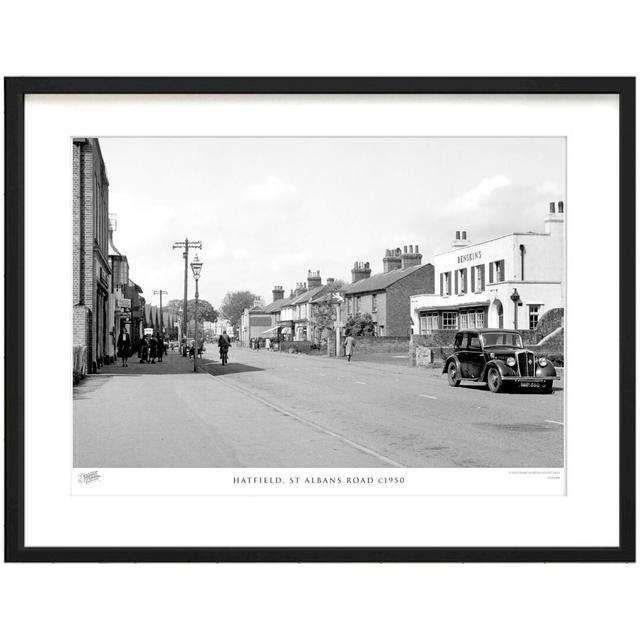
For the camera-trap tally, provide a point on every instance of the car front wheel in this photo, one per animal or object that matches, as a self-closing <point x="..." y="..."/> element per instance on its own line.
<point x="494" y="380"/>
<point x="452" y="371"/>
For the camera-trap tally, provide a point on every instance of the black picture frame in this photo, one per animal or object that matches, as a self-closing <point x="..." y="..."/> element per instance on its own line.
<point x="15" y="91"/>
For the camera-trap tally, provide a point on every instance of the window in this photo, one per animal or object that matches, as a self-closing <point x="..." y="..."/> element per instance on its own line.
<point x="462" y="277"/>
<point x="357" y="304"/>
<point x="374" y="303"/>
<point x="464" y="318"/>
<point x="445" y="283"/>
<point x="479" y="319"/>
<point x="449" y="320"/>
<point x="534" y="315"/>
<point x="496" y="271"/>
<point x="428" y="322"/>
<point x="474" y="343"/>
<point x="477" y="278"/>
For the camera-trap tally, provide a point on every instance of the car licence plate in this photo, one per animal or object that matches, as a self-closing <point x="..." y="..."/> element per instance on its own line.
<point x="531" y="385"/>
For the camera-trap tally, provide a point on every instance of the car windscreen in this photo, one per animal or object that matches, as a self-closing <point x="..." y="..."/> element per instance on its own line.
<point x="502" y="340"/>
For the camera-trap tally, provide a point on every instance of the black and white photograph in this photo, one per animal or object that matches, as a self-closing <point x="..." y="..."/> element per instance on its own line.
<point x="318" y="302"/>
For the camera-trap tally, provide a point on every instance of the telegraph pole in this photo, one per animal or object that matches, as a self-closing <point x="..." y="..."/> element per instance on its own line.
<point x="155" y="293"/>
<point x="186" y="245"/>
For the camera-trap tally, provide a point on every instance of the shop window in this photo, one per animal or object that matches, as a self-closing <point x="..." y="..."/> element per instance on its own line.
<point x="479" y="319"/>
<point x="449" y="320"/>
<point x="534" y="316"/>
<point x="464" y="319"/>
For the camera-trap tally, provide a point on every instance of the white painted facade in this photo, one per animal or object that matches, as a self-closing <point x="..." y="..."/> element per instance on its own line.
<point x="474" y="282"/>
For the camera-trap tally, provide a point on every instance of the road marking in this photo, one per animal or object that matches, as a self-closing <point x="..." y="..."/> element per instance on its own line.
<point x="422" y="395"/>
<point x="358" y="382"/>
<point x="399" y="356"/>
<point x="310" y="423"/>
<point x="555" y="422"/>
<point x="322" y="374"/>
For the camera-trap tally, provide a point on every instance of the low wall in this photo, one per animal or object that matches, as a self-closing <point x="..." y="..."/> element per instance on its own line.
<point x="380" y="344"/>
<point x="300" y="346"/>
<point x="433" y="349"/>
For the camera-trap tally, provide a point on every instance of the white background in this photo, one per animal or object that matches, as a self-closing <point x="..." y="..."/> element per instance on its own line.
<point x="586" y="516"/>
<point x="334" y="38"/>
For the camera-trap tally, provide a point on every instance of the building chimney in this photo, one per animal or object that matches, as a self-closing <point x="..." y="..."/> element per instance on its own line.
<point x="554" y="222"/>
<point x="330" y="280"/>
<point x="392" y="260"/>
<point x="461" y="240"/>
<point x="313" y="279"/>
<point x="360" y="271"/>
<point x="278" y="292"/>
<point x="410" y="258"/>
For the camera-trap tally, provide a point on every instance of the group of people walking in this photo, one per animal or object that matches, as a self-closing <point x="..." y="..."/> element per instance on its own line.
<point x="150" y="348"/>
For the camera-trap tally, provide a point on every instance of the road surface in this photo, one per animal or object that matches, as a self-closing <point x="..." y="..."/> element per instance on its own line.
<point x="268" y="409"/>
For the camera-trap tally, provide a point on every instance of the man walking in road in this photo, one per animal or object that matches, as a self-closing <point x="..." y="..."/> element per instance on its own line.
<point x="349" y="344"/>
<point x="224" y="343"/>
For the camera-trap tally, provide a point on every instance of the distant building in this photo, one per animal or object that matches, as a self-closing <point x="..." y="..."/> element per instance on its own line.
<point x="92" y="320"/>
<point x="385" y="296"/>
<point x="477" y="283"/>
<point x="253" y="322"/>
<point x="295" y="315"/>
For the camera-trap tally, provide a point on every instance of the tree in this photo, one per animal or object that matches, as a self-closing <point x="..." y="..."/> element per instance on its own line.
<point x="234" y="303"/>
<point x="360" y="325"/>
<point x="205" y="309"/>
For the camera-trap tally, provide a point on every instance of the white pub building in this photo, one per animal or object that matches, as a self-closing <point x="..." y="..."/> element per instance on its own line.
<point x="507" y="282"/>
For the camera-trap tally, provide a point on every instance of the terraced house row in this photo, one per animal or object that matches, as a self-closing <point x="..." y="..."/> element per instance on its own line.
<point x="513" y="281"/>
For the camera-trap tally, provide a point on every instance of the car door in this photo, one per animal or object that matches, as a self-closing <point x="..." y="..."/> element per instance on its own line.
<point x="474" y="356"/>
<point x="462" y="353"/>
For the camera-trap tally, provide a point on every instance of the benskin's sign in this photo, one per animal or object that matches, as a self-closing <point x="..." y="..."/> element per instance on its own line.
<point x="469" y="257"/>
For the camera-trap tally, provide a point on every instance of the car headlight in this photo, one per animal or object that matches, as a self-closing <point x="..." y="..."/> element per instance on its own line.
<point x="543" y="362"/>
<point x="511" y="362"/>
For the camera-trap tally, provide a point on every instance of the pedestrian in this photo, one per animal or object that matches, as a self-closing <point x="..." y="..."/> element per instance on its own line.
<point x="349" y="345"/>
<point x="257" y="344"/>
<point x="153" y="348"/>
<point x="192" y="350"/>
<point x="124" y="346"/>
<point x="224" y="343"/>
<point x="160" y="351"/>
<point x="267" y="344"/>
<point x="143" y="352"/>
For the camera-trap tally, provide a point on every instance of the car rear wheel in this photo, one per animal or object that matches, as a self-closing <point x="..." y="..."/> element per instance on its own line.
<point x="452" y="371"/>
<point x="494" y="380"/>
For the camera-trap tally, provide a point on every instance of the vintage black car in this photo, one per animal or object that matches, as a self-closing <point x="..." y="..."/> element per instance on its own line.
<point x="497" y="357"/>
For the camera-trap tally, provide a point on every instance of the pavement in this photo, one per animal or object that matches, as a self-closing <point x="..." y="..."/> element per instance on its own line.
<point x="270" y="409"/>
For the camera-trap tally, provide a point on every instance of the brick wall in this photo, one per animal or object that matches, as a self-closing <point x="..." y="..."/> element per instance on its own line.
<point x="89" y="184"/>
<point x="376" y="344"/>
<point x="398" y="312"/>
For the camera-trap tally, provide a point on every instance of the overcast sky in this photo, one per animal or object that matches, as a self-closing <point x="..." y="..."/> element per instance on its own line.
<point x="269" y="209"/>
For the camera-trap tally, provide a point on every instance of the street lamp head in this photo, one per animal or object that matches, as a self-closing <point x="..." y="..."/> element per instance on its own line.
<point x="196" y="267"/>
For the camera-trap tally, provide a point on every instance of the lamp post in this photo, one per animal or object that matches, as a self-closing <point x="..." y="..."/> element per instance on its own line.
<point x="515" y="298"/>
<point x="196" y="267"/>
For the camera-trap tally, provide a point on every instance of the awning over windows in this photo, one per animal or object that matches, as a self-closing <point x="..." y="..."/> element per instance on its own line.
<point x="455" y="307"/>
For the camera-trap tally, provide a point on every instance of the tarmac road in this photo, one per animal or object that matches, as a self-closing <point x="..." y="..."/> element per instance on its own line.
<point x="268" y="409"/>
